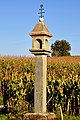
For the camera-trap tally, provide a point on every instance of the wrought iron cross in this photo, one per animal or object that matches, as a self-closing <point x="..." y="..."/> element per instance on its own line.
<point x="41" y="11"/>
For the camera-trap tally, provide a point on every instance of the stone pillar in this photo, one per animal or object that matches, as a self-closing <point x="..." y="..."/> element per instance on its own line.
<point x="40" y="83"/>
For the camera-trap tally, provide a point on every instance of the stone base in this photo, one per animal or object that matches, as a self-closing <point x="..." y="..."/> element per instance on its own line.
<point x="40" y="116"/>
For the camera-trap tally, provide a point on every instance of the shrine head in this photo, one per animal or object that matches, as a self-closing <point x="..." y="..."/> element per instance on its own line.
<point x="40" y="37"/>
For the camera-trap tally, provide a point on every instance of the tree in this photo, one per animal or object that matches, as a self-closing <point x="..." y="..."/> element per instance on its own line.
<point x="60" y="48"/>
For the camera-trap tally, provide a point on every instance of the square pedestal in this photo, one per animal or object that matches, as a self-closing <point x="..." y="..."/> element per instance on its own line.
<point x="40" y="116"/>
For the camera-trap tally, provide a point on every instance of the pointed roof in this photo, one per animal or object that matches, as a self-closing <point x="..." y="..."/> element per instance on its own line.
<point x="40" y="29"/>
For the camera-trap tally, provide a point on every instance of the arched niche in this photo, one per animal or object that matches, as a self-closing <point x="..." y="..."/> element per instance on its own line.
<point x="39" y="43"/>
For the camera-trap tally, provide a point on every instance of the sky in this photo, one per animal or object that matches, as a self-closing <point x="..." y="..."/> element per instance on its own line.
<point x="18" y="18"/>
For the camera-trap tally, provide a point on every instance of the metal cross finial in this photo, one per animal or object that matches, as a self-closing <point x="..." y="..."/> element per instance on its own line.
<point x="41" y="11"/>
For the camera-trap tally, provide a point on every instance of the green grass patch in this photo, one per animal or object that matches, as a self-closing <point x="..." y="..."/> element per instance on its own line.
<point x="2" y="117"/>
<point x="69" y="117"/>
<point x="1" y="101"/>
<point x="66" y="117"/>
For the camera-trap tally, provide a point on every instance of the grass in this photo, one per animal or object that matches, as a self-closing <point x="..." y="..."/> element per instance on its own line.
<point x="1" y="101"/>
<point x="69" y="117"/>
<point x="2" y="117"/>
<point x="66" y="117"/>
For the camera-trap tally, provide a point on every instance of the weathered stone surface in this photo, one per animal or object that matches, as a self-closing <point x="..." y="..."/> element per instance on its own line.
<point x="40" y="116"/>
<point x="40" y="48"/>
<point x="40" y="84"/>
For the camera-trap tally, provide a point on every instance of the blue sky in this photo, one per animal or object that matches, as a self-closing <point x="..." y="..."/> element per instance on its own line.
<point x="18" y="17"/>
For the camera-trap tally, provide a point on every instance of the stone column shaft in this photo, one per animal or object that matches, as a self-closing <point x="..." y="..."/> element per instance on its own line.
<point x="40" y="83"/>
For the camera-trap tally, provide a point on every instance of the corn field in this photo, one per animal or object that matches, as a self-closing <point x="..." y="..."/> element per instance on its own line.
<point x="63" y="84"/>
